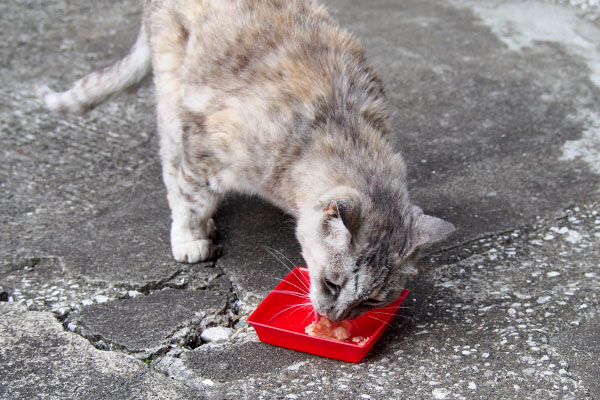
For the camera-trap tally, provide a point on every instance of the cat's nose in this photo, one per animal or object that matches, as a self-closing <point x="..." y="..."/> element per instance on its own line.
<point x="338" y="315"/>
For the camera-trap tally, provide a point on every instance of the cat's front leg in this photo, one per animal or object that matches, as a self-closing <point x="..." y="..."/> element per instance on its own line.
<point x="191" y="200"/>
<point x="192" y="229"/>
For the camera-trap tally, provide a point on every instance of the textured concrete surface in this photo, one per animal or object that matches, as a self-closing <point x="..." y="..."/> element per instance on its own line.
<point x="39" y="359"/>
<point x="495" y="106"/>
<point x="580" y="349"/>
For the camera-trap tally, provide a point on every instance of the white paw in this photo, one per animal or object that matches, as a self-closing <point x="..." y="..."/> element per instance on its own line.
<point x="192" y="252"/>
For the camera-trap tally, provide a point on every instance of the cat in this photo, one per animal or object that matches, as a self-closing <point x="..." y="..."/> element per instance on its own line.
<point x="273" y="98"/>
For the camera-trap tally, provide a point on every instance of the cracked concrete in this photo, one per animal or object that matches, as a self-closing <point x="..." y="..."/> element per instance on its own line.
<point x="497" y="118"/>
<point x="33" y="351"/>
<point x="145" y="325"/>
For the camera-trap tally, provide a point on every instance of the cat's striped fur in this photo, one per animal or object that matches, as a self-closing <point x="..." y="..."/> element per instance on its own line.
<point x="271" y="97"/>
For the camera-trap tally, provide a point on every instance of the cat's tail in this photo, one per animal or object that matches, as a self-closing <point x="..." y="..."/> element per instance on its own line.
<point x="98" y="86"/>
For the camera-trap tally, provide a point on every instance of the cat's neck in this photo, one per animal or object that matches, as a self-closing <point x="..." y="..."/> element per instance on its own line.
<point x="335" y="167"/>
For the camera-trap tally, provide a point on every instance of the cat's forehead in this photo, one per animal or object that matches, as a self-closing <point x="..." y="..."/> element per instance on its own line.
<point x="385" y="245"/>
<point x="384" y="223"/>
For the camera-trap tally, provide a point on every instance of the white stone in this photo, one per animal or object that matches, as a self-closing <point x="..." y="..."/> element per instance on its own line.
<point x="573" y="237"/>
<point x="529" y="371"/>
<point x="543" y="299"/>
<point x="101" y="299"/>
<point x="552" y="274"/>
<point x="440" y="393"/>
<point x="216" y="334"/>
<point x="295" y="367"/>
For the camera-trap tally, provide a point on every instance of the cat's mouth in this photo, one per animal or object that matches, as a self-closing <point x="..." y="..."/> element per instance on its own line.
<point x="339" y="315"/>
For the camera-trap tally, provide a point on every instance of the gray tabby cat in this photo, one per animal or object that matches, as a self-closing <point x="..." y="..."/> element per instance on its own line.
<point x="271" y="97"/>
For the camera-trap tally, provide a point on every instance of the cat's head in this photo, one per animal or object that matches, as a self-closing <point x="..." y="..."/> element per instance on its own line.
<point x="359" y="251"/>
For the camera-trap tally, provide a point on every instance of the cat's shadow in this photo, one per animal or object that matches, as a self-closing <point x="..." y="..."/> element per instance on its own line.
<point x="257" y="243"/>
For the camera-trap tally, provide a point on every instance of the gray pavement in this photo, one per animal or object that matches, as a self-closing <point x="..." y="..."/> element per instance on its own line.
<point x="496" y="106"/>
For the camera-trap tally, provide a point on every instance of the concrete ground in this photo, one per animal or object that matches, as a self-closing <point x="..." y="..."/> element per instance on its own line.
<point x="496" y="106"/>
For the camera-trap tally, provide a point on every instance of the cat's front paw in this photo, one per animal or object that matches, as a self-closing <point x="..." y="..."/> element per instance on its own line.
<point x="192" y="252"/>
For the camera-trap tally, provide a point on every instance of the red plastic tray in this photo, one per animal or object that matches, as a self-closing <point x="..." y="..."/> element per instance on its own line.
<point x="282" y="316"/>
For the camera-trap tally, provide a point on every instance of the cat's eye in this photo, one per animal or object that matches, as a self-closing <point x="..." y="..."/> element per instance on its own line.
<point x="331" y="287"/>
<point x="371" y="303"/>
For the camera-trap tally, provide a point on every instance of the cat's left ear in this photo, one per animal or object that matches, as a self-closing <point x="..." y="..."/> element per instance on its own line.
<point x="427" y="230"/>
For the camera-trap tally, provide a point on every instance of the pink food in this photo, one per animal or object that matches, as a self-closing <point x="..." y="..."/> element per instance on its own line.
<point x="327" y="329"/>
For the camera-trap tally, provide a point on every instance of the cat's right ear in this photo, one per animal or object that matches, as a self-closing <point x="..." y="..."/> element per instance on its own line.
<point x="340" y="220"/>
<point x="344" y="209"/>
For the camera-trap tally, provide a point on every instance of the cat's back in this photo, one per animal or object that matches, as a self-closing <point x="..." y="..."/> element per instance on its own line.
<point x="239" y="42"/>
<point x="257" y="81"/>
<point x="249" y="63"/>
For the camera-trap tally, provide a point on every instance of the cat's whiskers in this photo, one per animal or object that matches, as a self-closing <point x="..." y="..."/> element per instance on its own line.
<point x="293" y="307"/>
<point x="390" y="308"/>
<point x="382" y="313"/>
<point x="302" y="290"/>
<point x="314" y="313"/>
<point x="283" y="256"/>
<point x="356" y="326"/>
<point x="277" y="254"/>
<point x="271" y="251"/>
<point x="378" y="319"/>
<point x="292" y="293"/>
<point x="300" y="276"/>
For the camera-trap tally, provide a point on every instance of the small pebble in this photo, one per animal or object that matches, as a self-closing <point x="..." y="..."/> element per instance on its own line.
<point x="529" y="371"/>
<point x="216" y="334"/>
<point x="440" y="394"/>
<point x="101" y="299"/>
<point x="573" y="237"/>
<point x="543" y="299"/>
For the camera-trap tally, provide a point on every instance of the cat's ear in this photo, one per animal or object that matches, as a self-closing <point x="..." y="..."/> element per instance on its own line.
<point x="427" y="230"/>
<point x="344" y="209"/>
<point x="340" y="220"/>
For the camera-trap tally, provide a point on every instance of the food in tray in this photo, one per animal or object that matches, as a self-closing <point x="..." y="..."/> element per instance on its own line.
<point x="327" y="329"/>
